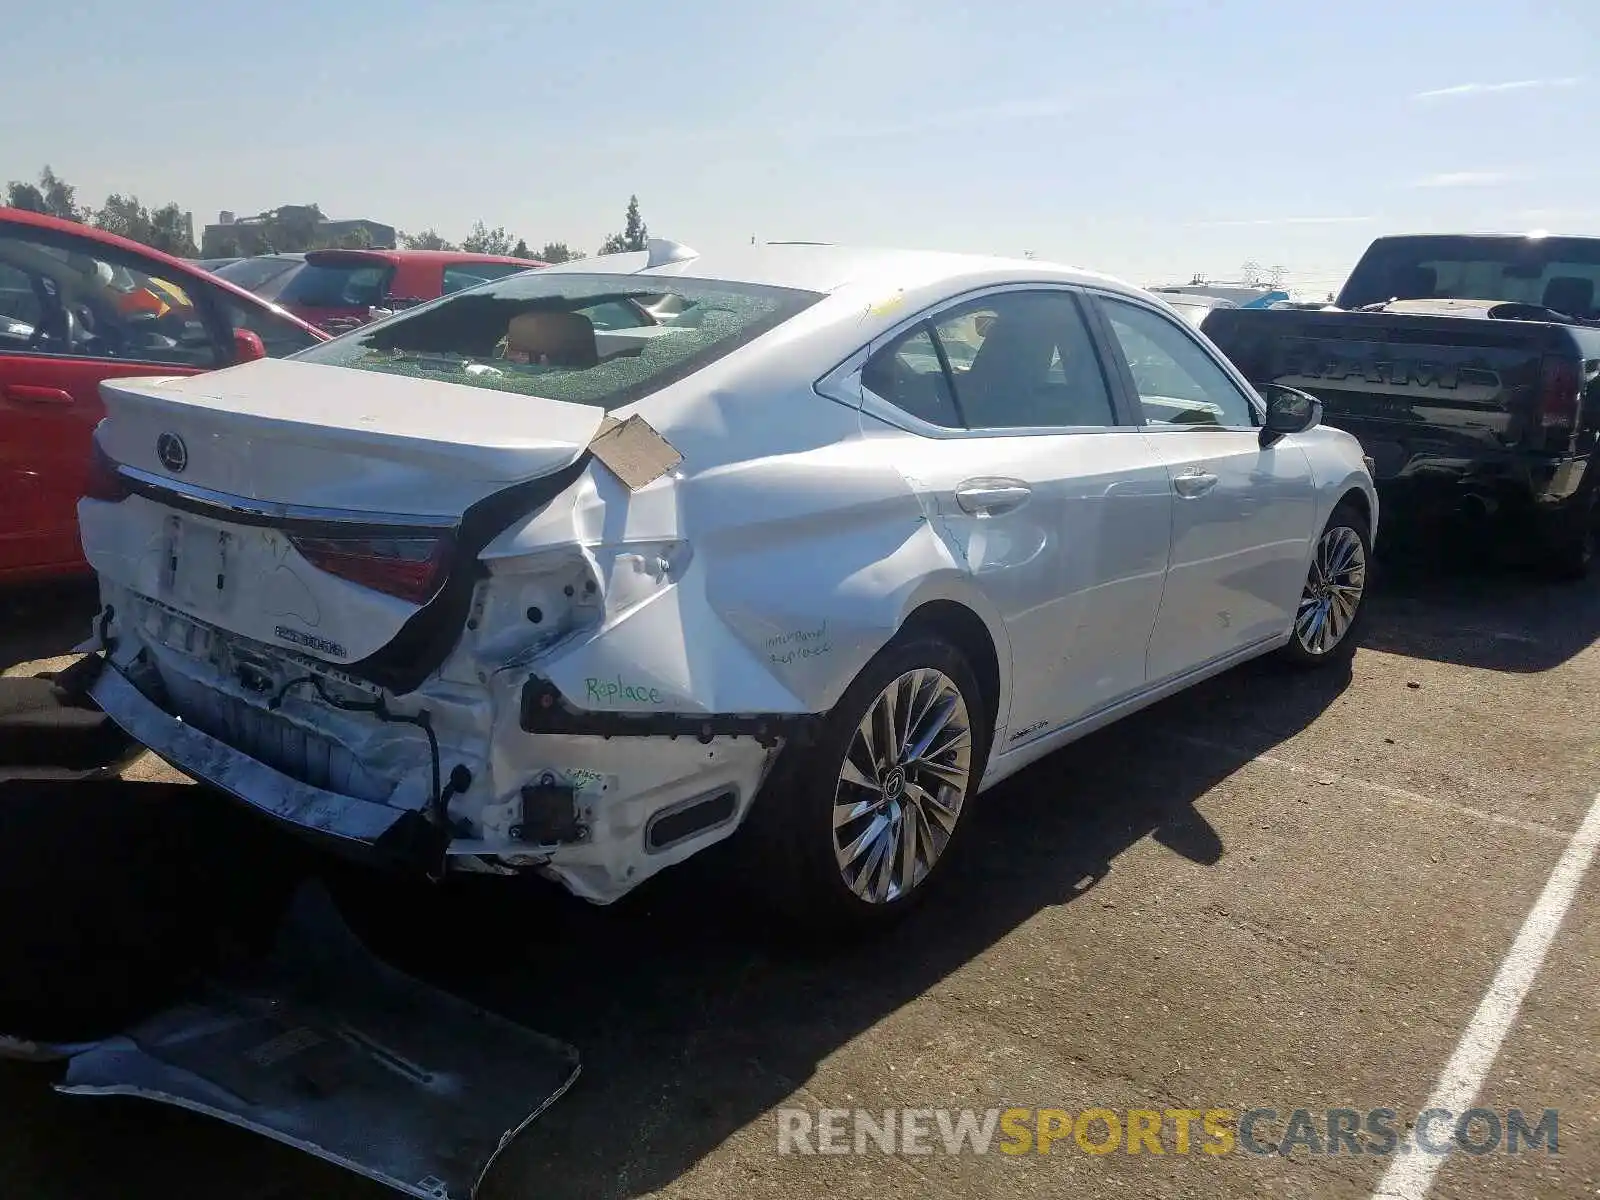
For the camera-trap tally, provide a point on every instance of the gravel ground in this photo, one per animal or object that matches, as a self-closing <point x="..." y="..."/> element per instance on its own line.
<point x="1274" y="891"/>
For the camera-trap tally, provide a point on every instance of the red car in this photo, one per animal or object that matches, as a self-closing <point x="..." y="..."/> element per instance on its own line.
<point x="78" y="305"/>
<point x="337" y="290"/>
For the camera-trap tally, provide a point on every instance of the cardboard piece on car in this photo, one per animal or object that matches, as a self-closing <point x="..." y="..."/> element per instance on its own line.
<point x="633" y="451"/>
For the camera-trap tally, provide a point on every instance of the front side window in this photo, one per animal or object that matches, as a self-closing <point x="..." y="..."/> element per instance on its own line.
<point x="542" y="333"/>
<point x="280" y="336"/>
<point x="1017" y="360"/>
<point x="72" y="297"/>
<point x="1177" y="381"/>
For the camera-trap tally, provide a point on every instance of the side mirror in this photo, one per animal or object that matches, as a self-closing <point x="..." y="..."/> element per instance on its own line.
<point x="1289" y="410"/>
<point x="247" y="346"/>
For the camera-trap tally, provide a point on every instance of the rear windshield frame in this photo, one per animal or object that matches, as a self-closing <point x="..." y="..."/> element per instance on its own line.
<point x="536" y="289"/>
<point x="1374" y="277"/>
<point x="256" y="271"/>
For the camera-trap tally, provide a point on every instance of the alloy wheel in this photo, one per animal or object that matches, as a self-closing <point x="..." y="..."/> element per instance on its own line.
<point x="902" y="786"/>
<point x="1333" y="591"/>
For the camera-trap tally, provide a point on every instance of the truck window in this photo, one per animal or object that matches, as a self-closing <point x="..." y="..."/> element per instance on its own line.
<point x="1557" y="273"/>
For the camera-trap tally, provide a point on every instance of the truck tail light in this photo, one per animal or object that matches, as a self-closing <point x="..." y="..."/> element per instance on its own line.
<point x="104" y="482"/>
<point x="1560" y="392"/>
<point x="410" y="568"/>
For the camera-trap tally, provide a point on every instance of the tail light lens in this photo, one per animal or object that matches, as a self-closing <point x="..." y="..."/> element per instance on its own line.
<point x="104" y="483"/>
<point x="411" y="568"/>
<point x="1560" y="392"/>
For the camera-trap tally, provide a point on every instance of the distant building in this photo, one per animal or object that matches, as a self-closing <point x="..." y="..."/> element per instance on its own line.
<point x="233" y="234"/>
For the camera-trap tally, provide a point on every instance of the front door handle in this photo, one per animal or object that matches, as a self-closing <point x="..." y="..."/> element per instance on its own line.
<point x="991" y="497"/>
<point x="27" y="393"/>
<point x="1195" y="483"/>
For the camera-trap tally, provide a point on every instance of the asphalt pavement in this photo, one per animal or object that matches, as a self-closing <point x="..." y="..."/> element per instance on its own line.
<point x="1275" y="891"/>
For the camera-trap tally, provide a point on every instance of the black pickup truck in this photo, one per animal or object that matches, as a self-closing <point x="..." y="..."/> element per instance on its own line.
<point x="1469" y="368"/>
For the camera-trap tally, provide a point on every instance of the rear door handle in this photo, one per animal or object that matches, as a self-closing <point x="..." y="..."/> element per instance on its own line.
<point x="27" y="393"/>
<point x="991" y="497"/>
<point x="1194" y="483"/>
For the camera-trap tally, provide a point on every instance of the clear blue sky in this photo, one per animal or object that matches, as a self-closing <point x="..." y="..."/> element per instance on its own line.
<point x="1150" y="139"/>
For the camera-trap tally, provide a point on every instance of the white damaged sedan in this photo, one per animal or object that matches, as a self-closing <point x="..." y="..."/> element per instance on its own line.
<point x="583" y="570"/>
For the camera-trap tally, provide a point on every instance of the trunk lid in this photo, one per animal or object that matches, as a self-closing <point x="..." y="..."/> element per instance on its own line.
<point x="294" y="433"/>
<point x="317" y="507"/>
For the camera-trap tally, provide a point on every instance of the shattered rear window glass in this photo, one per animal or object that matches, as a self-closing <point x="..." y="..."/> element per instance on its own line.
<point x="603" y="340"/>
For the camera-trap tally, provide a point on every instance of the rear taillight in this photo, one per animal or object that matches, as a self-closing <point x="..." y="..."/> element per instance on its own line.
<point x="1560" y="392"/>
<point x="411" y="568"/>
<point x="104" y="481"/>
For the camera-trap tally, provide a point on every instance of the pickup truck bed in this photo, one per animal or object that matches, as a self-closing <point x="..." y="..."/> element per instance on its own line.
<point x="1470" y="408"/>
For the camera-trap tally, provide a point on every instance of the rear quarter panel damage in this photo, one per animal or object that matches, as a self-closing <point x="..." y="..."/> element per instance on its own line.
<point x="802" y="568"/>
<point x="791" y="570"/>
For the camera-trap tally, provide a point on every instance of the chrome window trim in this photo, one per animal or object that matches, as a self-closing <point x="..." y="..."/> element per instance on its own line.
<point x="224" y="506"/>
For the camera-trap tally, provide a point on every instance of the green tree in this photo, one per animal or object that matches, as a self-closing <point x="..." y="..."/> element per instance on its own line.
<point x="291" y="228"/>
<point x="123" y="215"/>
<point x="556" y="252"/>
<point x="24" y="195"/>
<point x="483" y="240"/>
<point x="52" y="195"/>
<point x="60" y="197"/>
<point x="166" y="228"/>
<point x="520" y="250"/>
<point x="428" y="239"/>
<point x="171" y="231"/>
<point x="635" y="234"/>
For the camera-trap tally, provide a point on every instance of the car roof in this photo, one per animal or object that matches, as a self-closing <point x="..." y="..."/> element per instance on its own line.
<point x="184" y="270"/>
<point x="1198" y="299"/>
<point x="817" y="267"/>
<point x="398" y="255"/>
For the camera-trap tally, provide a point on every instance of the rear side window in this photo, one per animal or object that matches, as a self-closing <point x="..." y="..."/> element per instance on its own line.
<point x="1017" y="360"/>
<point x="338" y="285"/>
<point x="548" y="334"/>
<point x="459" y="276"/>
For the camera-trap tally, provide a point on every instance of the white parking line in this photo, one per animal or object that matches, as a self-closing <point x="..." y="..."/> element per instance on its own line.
<point x="1389" y="792"/>
<point x="1410" y="1177"/>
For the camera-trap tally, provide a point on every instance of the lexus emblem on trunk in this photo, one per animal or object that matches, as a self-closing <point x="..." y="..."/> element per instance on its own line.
<point x="174" y="455"/>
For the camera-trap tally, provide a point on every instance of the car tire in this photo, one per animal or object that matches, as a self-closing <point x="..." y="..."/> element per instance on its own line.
<point x="1325" y="631"/>
<point x="829" y="878"/>
<point x="1570" y="557"/>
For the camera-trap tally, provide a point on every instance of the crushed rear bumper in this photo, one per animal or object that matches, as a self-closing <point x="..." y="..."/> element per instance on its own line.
<point x="348" y="824"/>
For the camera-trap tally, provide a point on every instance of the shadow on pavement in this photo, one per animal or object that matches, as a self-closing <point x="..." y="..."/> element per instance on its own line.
<point x="693" y="1014"/>
<point x="694" y="1018"/>
<point x="1452" y="608"/>
<point x="45" y="620"/>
